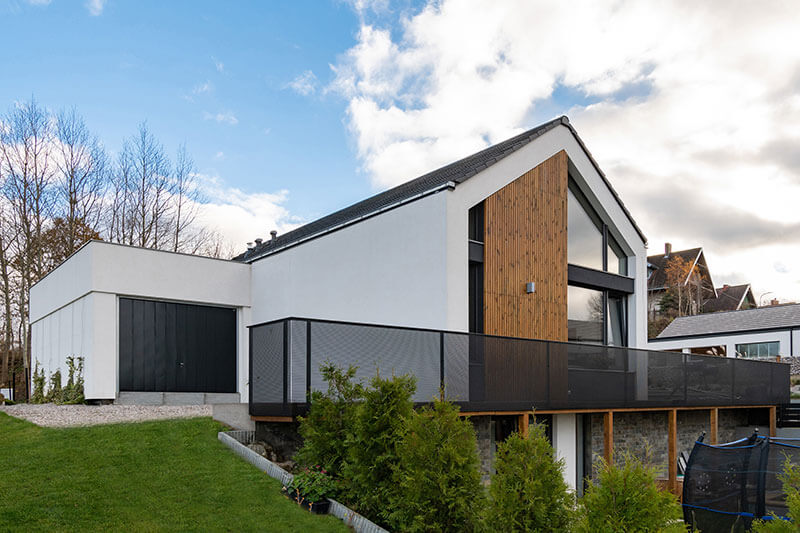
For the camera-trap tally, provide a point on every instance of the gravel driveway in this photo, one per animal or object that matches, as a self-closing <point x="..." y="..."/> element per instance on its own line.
<point x="51" y="415"/>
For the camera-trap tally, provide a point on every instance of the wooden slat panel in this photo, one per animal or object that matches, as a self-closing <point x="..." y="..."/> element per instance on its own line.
<point x="526" y="240"/>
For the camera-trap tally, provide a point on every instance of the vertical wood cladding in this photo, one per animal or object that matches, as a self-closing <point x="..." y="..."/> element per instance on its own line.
<point x="526" y="240"/>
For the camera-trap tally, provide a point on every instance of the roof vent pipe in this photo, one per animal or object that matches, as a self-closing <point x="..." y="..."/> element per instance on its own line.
<point x="259" y="241"/>
<point x="667" y="248"/>
<point x="249" y="245"/>
<point x="274" y="235"/>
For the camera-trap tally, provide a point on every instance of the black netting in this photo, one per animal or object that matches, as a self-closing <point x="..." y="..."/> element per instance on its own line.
<point x="726" y="487"/>
<point x="267" y="358"/>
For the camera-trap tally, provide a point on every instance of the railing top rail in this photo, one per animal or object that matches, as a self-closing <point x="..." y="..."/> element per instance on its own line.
<point x="453" y="332"/>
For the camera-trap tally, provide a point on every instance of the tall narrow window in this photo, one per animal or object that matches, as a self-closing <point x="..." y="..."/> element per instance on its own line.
<point x="584" y="236"/>
<point x="617" y="260"/>
<point x="617" y="327"/>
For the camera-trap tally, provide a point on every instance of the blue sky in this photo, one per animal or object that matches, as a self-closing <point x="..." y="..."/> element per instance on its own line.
<point x="192" y="69"/>
<point x="292" y="110"/>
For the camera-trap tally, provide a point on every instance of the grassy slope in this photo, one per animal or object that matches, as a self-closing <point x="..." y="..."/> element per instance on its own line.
<point x="152" y="476"/>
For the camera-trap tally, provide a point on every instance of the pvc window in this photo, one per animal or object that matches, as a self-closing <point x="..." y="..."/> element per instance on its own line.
<point x="759" y="349"/>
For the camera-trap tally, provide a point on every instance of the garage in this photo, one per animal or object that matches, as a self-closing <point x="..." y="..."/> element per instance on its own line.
<point x="176" y="347"/>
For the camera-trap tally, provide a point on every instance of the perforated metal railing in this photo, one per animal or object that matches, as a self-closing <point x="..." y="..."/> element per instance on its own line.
<point x="483" y="372"/>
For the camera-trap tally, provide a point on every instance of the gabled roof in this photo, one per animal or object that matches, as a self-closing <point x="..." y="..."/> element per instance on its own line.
<point x="448" y="176"/>
<point x="729" y="298"/>
<point x="762" y="318"/>
<point x="658" y="279"/>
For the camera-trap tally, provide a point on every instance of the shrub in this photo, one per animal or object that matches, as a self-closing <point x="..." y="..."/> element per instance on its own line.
<point x="626" y="499"/>
<point x="791" y="487"/>
<point x="38" y="385"/>
<point x="314" y="485"/>
<point x="528" y="492"/>
<point x="437" y="475"/>
<point x="372" y="447"/>
<point x="54" y="393"/>
<point x="330" y="420"/>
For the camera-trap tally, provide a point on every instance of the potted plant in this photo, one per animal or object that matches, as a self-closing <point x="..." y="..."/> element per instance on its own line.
<point x="310" y="487"/>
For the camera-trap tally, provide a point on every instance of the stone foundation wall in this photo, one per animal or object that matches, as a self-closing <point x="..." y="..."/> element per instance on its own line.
<point x="486" y="445"/>
<point x="645" y="434"/>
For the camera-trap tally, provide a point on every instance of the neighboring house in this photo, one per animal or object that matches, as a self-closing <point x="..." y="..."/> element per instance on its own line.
<point x="731" y="298"/>
<point x="697" y="281"/>
<point x="764" y="332"/>
<point x="448" y="277"/>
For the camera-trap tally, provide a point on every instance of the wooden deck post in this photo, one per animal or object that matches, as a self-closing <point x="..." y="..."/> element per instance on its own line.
<point x="773" y="421"/>
<point x="714" y="423"/>
<point x="608" y="436"/>
<point x="672" y="417"/>
<point x="522" y="425"/>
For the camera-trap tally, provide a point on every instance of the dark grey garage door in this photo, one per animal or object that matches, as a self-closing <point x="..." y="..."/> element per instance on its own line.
<point x="170" y="347"/>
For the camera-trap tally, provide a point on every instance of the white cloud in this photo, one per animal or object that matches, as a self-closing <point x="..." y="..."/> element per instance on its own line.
<point x="304" y="84"/>
<point x="219" y="65"/>
<point x="219" y="155"/>
<point x="226" y="117"/>
<point x="673" y="103"/>
<point x="95" y="7"/>
<point x="202" y="88"/>
<point x="241" y="217"/>
<point x="39" y="2"/>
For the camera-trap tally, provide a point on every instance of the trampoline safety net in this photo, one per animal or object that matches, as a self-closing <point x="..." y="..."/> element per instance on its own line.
<point x="727" y="487"/>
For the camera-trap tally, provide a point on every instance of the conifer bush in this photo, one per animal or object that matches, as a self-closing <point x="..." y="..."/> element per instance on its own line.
<point x="38" y="384"/>
<point x="438" y="476"/>
<point x="791" y="487"/>
<point x="372" y="454"/>
<point x="54" y="393"/>
<point x="330" y="420"/>
<point x="626" y="499"/>
<point x="528" y="492"/>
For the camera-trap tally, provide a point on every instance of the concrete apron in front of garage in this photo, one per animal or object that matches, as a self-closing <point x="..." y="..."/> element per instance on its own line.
<point x="225" y="407"/>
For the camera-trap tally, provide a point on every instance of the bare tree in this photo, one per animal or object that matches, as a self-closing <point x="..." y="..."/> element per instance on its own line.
<point x="81" y="182"/>
<point x="26" y="145"/>
<point x="185" y="199"/>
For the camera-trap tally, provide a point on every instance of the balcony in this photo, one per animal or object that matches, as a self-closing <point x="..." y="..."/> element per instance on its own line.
<point x="486" y="373"/>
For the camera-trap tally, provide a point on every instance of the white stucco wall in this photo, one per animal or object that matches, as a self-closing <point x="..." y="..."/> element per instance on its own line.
<point x="390" y="269"/>
<point x="74" y="309"/>
<point x="731" y="340"/>
<point x="565" y="444"/>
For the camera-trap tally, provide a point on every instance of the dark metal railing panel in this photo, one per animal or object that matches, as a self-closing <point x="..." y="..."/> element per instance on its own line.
<point x="483" y="372"/>
<point x="267" y="374"/>
<point x="375" y="349"/>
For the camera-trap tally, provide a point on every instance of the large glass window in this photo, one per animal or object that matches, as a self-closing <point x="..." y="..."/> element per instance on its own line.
<point x="584" y="315"/>
<point x="759" y="349"/>
<point x="584" y="236"/>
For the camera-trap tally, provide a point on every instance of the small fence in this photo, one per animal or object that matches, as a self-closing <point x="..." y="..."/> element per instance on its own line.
<point x="486" y="373"/>
<point x="727" y="487"/>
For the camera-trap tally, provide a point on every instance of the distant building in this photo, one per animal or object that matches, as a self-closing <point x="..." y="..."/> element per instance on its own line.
<point x="764" y="332"/>
<point x="698" y="280"/>
<point x="731" y="298"/>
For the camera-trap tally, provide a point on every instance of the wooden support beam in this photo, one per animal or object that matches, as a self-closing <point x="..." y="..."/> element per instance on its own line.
<point x="714" y="426"/>
<point x="272" y="418"/>
<point x="773" y="421"/>
<point x="672" y="453"/>
<point x="608" y="437"/>
<point x="522" y="425"/>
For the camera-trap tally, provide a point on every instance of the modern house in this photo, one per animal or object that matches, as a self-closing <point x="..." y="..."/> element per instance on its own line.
<point x="516" y="278"/>
<point x="765" y="332"/>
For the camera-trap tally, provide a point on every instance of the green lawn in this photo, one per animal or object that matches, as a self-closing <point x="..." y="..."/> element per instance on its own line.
<point x="153" y="476"/>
